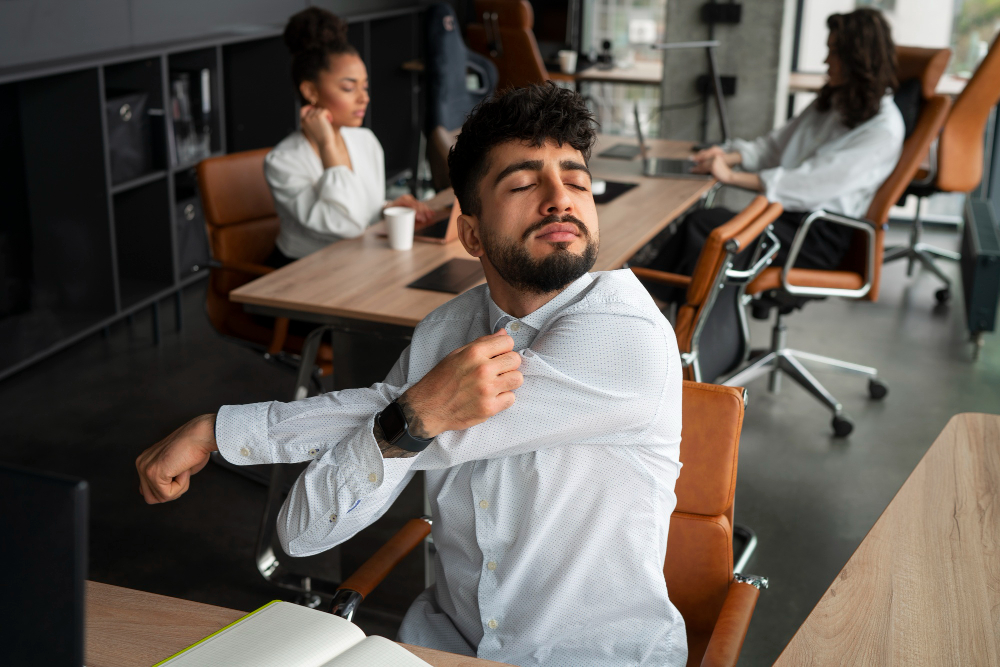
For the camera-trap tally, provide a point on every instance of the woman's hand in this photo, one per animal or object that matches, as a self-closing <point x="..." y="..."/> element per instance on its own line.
<point x="316" y="125"/>
<point x="424" y="212"/>
<point x="732" y="159"/>
<point x="714" y="164"/>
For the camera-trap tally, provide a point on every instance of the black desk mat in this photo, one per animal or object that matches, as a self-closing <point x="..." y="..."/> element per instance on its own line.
<point x="613" y="190"/>
<point x="454" y="276"/>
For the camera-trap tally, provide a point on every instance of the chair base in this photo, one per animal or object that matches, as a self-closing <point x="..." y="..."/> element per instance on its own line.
<point x="924" y="254"/>
<point x="784" y="361"/>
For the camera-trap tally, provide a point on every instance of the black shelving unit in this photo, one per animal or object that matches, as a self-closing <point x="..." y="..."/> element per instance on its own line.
<point x="78" y="250"/>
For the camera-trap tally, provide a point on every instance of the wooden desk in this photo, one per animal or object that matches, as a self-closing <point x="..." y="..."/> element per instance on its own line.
<point x="128" y="628"/>
<point x="643" y="72"/>
<point x="924" y="586"/>
<point x="364" y="280"/>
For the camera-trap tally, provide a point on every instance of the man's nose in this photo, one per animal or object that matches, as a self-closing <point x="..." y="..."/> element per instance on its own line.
<point x="556" y="200"/>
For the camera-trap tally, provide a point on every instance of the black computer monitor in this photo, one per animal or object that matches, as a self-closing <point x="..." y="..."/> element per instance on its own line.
<point x="43" y="563"/>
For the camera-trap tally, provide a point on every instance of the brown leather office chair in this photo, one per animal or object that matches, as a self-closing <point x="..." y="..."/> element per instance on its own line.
<point x="506" y="37"/>
<point x="957" y="166"/>
<point x="785" y="289"/>
<point x="716" y="604"/>
<point x="242" y="228"/>
<point x="711" y="326"/>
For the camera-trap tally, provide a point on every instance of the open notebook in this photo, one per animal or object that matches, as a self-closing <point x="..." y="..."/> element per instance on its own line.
<point x="282" y="633"/>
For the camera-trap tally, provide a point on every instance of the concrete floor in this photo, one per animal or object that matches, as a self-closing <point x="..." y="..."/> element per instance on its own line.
<point x="811" y="498"/>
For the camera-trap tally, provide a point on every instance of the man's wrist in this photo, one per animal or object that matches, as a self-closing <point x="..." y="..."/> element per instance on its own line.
<point x="416" y="422"/>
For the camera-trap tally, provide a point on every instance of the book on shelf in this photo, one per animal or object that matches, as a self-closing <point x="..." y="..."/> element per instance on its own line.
<point x="282" y="633"/>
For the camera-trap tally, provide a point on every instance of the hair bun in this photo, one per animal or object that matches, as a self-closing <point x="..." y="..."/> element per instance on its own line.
<point x="315" y="29"/>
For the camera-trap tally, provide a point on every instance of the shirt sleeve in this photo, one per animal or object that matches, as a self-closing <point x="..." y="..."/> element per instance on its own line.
<point x="333" y="205"/>
<point x="572" y="396"/>
<point x="765" y="152"/>
<point x="860" y="164"/>
<point x="347" y="484"/>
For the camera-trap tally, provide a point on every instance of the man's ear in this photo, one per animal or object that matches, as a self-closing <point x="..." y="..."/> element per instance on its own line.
<point x="309" y="91"/>
<point x="468" y="234"/>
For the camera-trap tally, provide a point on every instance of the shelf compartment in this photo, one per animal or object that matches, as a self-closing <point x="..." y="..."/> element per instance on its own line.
<point x="195" y="107"/>
<point x="189" y="225"/>
<point x="55" y="227"/>
<point x="134" y="107"/>
<point x="143" y="241"/>
<point x="255" y="119"/>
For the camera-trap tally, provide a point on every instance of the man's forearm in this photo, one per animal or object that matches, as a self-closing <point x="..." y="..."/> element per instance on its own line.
<point x="389" y="451"/>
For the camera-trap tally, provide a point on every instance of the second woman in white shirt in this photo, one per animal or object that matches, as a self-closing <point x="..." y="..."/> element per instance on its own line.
<point x="328" y="179"/>
<point x="834" y="155"/>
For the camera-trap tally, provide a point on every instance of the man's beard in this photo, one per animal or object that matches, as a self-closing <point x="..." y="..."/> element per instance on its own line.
<point x="553" y="272"/>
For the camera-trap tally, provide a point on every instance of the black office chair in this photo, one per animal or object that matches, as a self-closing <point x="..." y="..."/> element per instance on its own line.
<point x="449" y="71"/>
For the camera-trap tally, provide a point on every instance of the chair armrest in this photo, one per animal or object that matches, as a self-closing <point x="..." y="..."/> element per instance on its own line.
<point x="731" y="629"/>
<point x="240" y="267"/>
<point x="793" y="254"/>
<point x="350" y="593"/>
<point x="662" y="277"/>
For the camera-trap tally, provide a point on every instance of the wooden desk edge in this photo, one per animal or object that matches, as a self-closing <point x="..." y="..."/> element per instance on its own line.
<point x="785" y="656"/>
<point x="201" y="620"/>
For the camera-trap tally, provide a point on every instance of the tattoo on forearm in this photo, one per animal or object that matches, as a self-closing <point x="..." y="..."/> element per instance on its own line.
<point x="389" y="451"/>
<point x="414" y="424"/>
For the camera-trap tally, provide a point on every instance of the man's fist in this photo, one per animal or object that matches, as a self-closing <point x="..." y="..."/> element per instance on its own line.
<point x="467" y="387"/>
<point x="165" y="469"/>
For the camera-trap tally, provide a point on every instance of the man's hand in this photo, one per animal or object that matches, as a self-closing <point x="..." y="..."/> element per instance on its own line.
<point x="466" y="388"/>
<point x="165" y="469"/>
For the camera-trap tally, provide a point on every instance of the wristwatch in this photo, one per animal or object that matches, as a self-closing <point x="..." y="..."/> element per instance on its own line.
<point x="392" y="421"/>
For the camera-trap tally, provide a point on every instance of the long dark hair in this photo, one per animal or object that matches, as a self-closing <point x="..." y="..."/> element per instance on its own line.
<point x="312" y="36"/>
<point x="862" y="41"/>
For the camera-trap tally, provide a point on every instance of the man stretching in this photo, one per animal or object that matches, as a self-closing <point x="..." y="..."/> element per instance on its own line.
<point x="545" y="407"/>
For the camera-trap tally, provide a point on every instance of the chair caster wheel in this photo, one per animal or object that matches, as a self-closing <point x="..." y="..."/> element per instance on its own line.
<point x="842" y="427"/>
<point x="943" y="295"/>
<point x="877" y="389"/>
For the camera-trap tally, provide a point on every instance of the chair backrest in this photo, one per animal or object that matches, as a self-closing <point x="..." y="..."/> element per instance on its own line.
<point x="926" y="65"/>
<point x="439" y="143"/>
<point x="699" y="563"/>
<point x="960" y="149"/>
<point x="447" y="63"/>
<point x="508" y="41"/>
<point x="721" y="342"/>
<point x="241" y="221"/>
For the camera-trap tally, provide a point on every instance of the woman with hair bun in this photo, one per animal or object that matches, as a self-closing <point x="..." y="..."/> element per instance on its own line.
<point x="328" y="179"/>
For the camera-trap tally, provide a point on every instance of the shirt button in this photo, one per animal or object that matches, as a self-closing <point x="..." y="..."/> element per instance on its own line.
<point x="493" y="624"/>
<point x="333" y="517"/>
<point x="516" y="326"/>
<point x="245" y="452"/>
<point x="484" y="504"/>
<point x="491" y="565"/>
<point x="373" y="478"/>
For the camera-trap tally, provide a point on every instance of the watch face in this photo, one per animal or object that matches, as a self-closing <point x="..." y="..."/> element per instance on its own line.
<point x="393" y="422"/>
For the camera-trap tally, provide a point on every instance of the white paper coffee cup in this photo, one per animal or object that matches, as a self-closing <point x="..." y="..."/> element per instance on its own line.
<point x="399" y="222"/>
<point x="567" y="62"/>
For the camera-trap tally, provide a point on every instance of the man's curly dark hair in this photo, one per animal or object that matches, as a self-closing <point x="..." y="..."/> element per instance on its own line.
<point x="534" y="114"/>
<point x="862" y="41"/>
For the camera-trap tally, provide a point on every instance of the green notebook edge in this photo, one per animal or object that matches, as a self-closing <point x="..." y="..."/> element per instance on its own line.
<point x="205" y="639"/>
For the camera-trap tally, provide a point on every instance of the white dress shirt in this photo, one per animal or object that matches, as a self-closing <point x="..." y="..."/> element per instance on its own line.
<point x="319" y="206"/>
<point x="550" y="518"/>
<point x="815" y="161"/>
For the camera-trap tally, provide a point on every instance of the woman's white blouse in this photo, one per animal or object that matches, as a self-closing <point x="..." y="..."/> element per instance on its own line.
<point x="319" y="206"/>
<point x="817" y="162"/>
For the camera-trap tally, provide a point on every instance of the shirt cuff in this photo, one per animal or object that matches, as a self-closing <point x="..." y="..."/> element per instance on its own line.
<point x="749" y="159"/>
<point x="241" y="434"/>
<point x="360" y="460"/>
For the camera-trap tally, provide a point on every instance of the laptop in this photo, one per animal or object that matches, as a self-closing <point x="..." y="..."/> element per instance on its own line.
<point x="43" y="557"/>
<point x="444" y="228"/>
<point x="660" y="166"/>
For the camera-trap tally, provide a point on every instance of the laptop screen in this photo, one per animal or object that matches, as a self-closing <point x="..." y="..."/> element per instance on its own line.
<point x="43" y="558"/>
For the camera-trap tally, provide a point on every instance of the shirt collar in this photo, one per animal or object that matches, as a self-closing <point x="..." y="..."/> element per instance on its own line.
<point x="537" y="319"/>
